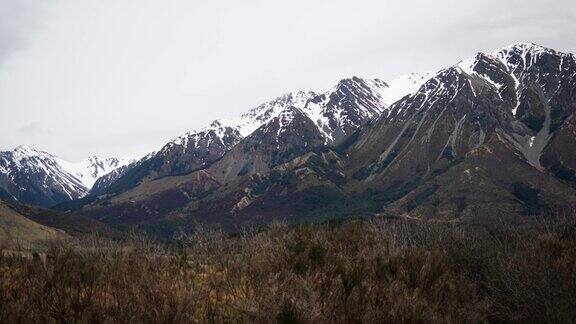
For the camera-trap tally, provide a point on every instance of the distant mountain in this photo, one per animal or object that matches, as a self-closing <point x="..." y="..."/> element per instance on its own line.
<point x="489" y="139"/>
<point x="39" y="178"/>
<point x="335" y="114"/>
<point x="36" y="177"/>
<point x="90" y="170"/>
<point x="104" y="182"/>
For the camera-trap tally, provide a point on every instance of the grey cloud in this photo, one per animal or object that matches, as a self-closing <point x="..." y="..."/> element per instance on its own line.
<point x="33" y="129"/>
<point x="18" y="18"/>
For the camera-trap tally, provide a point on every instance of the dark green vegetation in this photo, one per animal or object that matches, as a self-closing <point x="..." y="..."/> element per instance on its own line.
<point x="358" y="271"/>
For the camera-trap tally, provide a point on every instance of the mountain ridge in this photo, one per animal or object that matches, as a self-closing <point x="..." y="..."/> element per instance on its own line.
<point x="435" y="153"/>
<point x="337" y="113"/>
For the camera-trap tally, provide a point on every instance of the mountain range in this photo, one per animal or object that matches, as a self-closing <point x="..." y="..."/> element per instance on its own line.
<point x="35" y="177"/>
<point x="489" y="139"/>
<point x="334" y="114"/>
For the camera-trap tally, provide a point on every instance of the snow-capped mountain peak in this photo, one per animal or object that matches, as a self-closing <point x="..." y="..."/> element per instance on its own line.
<point x="517" y="58"/>
<point x="354" y="101"/>
<point x="33" y="176"/>
<point x="24" y="152"/>
<point x="89" y="170"/>
<point x="329" y="110"/>
<point x="403" y="85"/>
<point x="521" y="48"/>
<point x="248" y="122"/>
<point x="508" y="69"/>
<point x="229" y="131"/>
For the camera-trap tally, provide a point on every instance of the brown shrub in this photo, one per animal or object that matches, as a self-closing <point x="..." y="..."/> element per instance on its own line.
<point x="361" y="271"/>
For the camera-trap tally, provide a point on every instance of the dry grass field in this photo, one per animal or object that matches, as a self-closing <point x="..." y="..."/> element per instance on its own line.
<point x="354" y="272"/>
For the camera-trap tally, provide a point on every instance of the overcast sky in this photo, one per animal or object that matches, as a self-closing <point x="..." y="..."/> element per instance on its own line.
<point x="120" y="77"/>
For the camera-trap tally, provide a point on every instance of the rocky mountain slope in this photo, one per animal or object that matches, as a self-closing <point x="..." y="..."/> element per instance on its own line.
<point x="93" y="168"/>
<point x="18" y="230"/>
<point x="486" y="139"/>
<point x="480" y="139"/>
<point x="36" y="177"/>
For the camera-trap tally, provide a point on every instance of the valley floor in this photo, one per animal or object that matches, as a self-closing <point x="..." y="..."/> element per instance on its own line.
<point x="357" y="271"/>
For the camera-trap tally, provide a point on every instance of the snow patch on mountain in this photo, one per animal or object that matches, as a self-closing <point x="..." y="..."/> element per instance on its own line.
<point x="517" y="59"/>
<point x="44" y="167"/>
<point x="404" y="85"/>
<point x="88" y="171"/>
<point x="248" y="122"/>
